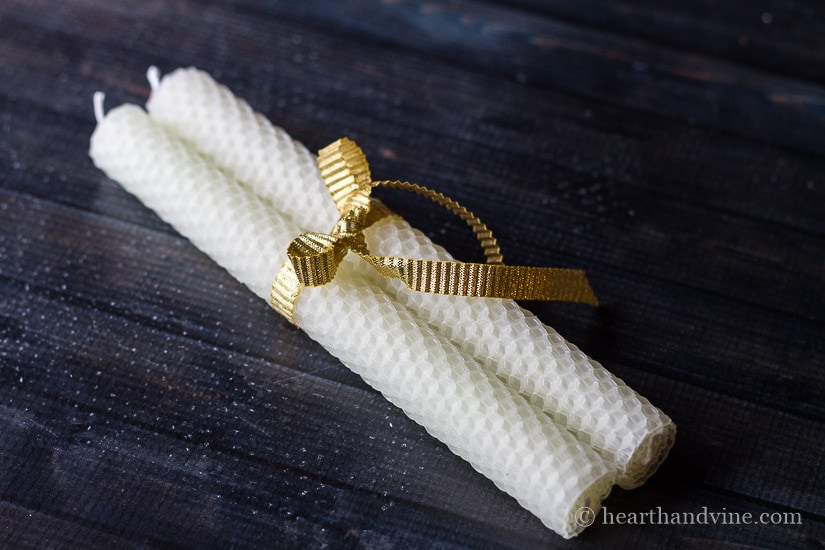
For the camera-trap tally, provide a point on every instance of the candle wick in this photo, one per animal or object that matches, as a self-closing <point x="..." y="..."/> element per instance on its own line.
<point x="153" y="76"/>
<point x="97" y="100"/>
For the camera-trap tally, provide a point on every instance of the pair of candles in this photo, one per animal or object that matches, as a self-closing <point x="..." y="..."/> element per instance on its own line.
<point x="544" y="422"/>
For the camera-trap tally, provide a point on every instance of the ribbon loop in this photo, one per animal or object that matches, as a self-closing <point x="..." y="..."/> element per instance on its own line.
<point x="314" y="257"/>
<point x="347" y="174"/>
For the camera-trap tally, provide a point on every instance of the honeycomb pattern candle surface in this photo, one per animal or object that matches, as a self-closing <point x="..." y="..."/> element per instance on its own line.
<point x="475" y="414"/>
<point x="188" y="191"/>
<point x="501" y="434"/>
<point x="279" y="170"/>
<point x="574" y="390"/>
<point x="552" y="373"/>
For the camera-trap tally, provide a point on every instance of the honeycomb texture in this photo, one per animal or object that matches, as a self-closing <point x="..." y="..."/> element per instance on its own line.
<point x="201" y="112"/>
<point x="544" y="467"/>
<point x="574" y="390"/>
<point x="230" y="224"/>
<point x="481" y="419"/>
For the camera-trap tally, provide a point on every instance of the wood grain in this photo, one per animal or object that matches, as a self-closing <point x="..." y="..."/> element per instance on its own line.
<point x="149" y="400"/>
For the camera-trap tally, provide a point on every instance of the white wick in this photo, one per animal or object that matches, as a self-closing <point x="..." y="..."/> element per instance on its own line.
<point x="153" y="76"/>
<point x="97" y="101"/>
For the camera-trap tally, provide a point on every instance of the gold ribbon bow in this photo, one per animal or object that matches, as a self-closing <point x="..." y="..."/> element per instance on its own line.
<point x="314" y="257"/>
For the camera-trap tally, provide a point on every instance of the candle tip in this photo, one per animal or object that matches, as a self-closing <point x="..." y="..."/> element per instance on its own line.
<point x="153" y="76"/>
<point x="98" y="99"/>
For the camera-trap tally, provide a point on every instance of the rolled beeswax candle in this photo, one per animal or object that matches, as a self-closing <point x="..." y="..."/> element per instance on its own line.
<point x="574" y="390"/>
<point x="444" y="389"/>
<point x="185" y="189"/>
<point x="206" y="116"/>
<point x="552" y="373"/>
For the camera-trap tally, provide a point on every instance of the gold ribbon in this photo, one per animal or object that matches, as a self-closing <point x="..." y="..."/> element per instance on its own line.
<point x="314" y="257"/>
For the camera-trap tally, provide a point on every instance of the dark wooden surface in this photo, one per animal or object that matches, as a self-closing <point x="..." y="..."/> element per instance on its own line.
<point x="675" y="150"/>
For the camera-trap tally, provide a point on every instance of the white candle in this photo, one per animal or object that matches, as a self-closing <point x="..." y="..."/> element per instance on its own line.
<point x="475" y="414"/>
<point x="552" y="373"/>
<point x="187" y="190"/>
<point x="205" y="115"/>
<point x="574" y="390"/>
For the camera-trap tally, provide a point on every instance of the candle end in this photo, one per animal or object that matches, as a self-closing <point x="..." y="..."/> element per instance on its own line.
<point x="97" y="100"/>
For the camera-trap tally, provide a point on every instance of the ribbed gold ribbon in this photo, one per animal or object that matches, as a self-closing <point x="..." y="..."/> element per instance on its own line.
<point x="314" y="257"/>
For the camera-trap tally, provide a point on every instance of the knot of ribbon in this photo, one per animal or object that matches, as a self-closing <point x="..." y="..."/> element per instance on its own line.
<point x="313" y="258"/>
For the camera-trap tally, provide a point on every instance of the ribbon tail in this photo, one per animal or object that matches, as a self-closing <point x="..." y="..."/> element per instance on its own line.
<point x="487" y="281"/>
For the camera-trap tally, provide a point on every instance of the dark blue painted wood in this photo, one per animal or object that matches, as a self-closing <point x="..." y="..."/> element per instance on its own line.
<point x="147" y="399"/>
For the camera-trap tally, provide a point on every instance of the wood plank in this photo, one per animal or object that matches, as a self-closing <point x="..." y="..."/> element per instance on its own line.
<point x="569" y="141"/>
<point x="25" y="528"/>
<point x="198" y="495"/>
<point x="611" y="195"/>
<point x="803" y="255"/>
<point x="784" y="37"/>
<point x="700" y="266"/>
<point x="204" y="392"/>
<point x="147" y="397"/>
<point x="164" y="351"/>
<point x="205" y="418"/>
<point x="146" y="486"/>
<point x="600" y="66"/>
<point x="682" y="321"/>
